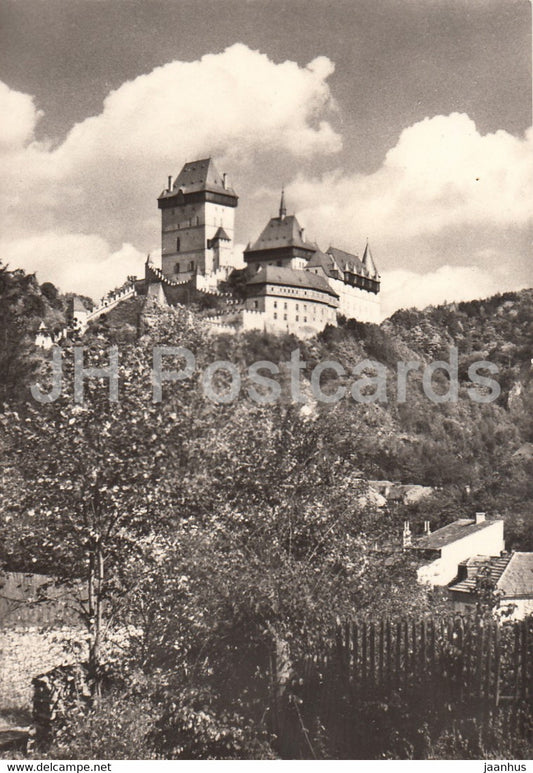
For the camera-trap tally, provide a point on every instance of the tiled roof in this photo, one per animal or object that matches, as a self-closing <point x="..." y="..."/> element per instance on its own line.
<point x="201" y="175"/>
<point x="495" y="566"/>
<point x="346" y="261"/>
<point x="325" y="261"/>
<point x="281" y="232"/>
<point x="517" y="579"/>
<point x="451" y="533"/>
<point x="291" y="277"/>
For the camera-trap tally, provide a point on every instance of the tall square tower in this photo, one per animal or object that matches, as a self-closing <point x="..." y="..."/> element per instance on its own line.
<point x="197" y="221"/>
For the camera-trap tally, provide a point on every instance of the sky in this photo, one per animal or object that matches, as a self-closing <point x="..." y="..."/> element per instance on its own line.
<point x="404" y="122"/>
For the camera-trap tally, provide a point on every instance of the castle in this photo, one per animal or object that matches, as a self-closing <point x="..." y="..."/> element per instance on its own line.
<point x="288" y="284"/>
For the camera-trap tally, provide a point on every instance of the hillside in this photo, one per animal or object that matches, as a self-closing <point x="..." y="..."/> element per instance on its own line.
<point x="473" y="453"/>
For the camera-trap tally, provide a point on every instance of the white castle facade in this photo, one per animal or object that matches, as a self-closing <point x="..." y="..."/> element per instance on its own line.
<point x="288" y="283"/>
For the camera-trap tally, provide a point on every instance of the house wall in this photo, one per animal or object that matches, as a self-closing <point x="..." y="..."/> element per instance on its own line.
<point x="486" y="542"/>
<point x="521" y="608"/>
<point x="294" y="309"/>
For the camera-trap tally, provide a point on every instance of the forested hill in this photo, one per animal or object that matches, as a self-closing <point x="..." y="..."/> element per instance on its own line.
<point x="459" y="446"/>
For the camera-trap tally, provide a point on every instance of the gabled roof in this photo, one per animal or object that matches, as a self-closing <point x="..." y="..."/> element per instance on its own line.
<point x="517" y="579"/>
<point x="281" y="232"/>
<point x="452" y="532"/>
<point x="290" y="277"/>
<point x="197" y="176"/>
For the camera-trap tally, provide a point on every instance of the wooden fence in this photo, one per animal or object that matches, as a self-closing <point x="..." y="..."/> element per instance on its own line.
<point x="373" y="680"/>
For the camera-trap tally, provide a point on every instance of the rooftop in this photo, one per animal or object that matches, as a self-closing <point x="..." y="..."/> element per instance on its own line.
<point x="291" y="277"/>
<point x="196" y="176"/>
<point x="452" y="532"/>
<point x="281" y="232"/>
<point x="517" y="579"/>
<point x="512" y="574"/>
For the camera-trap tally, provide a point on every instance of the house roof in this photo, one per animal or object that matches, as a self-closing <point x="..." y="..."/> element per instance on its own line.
<point x="452" y="532"/>
<point x="281" y="232"/>
<point x="197" y="176"/>
<point x="291" y="277"/>
<point x="495" y="567"/>
<point x="517" y="579"/>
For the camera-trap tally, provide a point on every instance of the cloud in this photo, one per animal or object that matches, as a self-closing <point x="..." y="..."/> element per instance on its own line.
<point x="80" y="263"/>
<point x="105" y="175"/>
<point x="445" y="196"/>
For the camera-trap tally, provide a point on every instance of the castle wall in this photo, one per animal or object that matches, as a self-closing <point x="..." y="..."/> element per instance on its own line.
<point x="357" y="303"/>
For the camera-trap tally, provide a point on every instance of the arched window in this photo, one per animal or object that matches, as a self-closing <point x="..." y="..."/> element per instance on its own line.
<point x="178" y="244"/>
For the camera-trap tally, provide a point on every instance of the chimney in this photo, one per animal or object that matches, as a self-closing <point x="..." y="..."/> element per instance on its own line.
<point x="480" y="517"/>
<point x="224" y="176"/>
<point x="169" y="183"/>
<point x="427" y="528"/>
<point x="406" y="536"/>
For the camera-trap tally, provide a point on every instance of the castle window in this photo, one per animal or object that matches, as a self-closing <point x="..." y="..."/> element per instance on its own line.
<point x="305" y="319"/>
<point x="191" y="265"/>
<point x="177" y="268"/>
<point x="285" y="305"/>
<point x="275" y="315"/>
<point x="256" y="304"/>
<point x="275" y="304"/>
<point x="178" y="244"/>
<point x="296" y="307"/>
<point x="285" y="316"/>
<point x="297" y="318"/>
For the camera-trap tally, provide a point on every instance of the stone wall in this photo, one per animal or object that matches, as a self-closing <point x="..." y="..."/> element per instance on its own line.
<point x="26" y="652"/>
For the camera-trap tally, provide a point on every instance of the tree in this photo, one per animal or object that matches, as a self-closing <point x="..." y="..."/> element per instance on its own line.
<point x="88" y="481"/>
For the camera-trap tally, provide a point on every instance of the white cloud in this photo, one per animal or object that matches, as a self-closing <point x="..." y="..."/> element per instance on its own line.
<point x="445" y="196"/>
<point x="80" y="263"/>
<point x="105" y="175"/>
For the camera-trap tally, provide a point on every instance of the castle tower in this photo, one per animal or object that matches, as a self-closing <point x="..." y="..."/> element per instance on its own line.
<point x="197" y="221"/>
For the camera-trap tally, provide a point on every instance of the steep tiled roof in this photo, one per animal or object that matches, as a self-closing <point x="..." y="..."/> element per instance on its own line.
<point x="346" y="261"/>
<point x="277" y="275"/>
<point x="451" y="533"/>
<point x="201" y="175"/>
<point x="281" y="232"/>
<point x="325" y="261"/>
<point x="517" y="579"/>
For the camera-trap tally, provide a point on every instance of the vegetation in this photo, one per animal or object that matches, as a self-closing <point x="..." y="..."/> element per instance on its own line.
<point x="215" y="542"/>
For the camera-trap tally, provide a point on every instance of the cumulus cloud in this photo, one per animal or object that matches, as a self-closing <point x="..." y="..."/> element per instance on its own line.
<point x="445" y="196"/>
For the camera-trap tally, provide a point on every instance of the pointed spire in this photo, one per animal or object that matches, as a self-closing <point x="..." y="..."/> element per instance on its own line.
<point x="368" y="261"/>
<point x="282" y="207"/>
